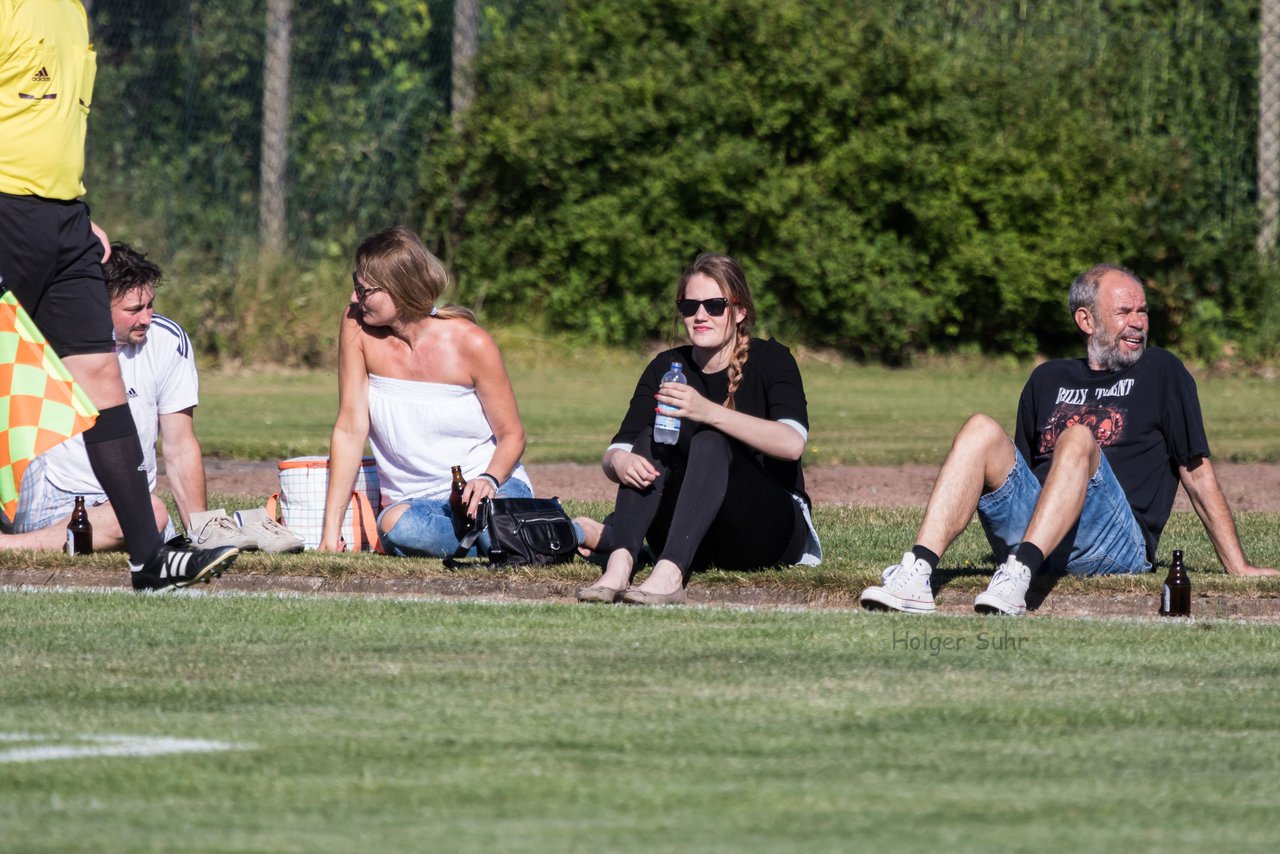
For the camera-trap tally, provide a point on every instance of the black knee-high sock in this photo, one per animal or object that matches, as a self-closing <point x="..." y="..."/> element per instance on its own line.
<point x="116" y="457"/>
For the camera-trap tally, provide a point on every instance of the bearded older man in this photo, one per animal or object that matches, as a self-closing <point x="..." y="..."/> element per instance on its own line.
<point x="1087" y="483"/>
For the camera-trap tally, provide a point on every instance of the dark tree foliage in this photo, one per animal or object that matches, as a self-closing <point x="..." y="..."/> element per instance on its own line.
<point x="894" y="176"/>
<point x="179" y="135"/>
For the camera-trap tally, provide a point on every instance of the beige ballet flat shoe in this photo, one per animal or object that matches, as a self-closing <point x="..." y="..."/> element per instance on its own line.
<point x="599" y="593"/>
<point x="636" y="596"/>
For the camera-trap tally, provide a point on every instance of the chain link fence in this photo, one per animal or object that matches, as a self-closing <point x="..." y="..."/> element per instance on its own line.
<point x="222" y="127"/>
<point x="181" y="113"/>
<point x="221" y="122"/>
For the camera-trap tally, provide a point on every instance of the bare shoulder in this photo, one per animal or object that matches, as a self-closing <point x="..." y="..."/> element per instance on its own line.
<point x="351" y="330"/>
<point x="354" y="330"/>
<point x="469" y="338"/>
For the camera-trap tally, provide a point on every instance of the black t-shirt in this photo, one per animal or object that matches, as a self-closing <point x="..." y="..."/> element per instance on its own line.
<point x="770" y="388"/>
<point x="1145" y="417"/>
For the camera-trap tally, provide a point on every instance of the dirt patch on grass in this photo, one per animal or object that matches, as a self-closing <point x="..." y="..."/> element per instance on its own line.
<point x="1101" y="605"/>
<point x="1248" y="487"/>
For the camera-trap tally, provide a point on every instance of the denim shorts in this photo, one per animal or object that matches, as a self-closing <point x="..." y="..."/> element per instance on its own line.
<point x="1105" y="541"/>
<point x="426" y="528"/>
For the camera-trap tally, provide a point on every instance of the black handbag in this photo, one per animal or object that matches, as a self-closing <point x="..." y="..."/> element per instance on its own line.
<point x="522" y="531"/>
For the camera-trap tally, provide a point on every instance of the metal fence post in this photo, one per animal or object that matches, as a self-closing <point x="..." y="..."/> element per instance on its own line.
<point x="1268" y="128"/>
<point x="466" y="26"/>
<point x="273" y="187"/>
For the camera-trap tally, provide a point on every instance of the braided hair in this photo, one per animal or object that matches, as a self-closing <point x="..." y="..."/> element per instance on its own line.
<point x="727" y="273"/>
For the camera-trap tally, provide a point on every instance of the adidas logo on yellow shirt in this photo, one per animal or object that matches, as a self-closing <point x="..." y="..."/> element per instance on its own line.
<point x="41" y="76"/>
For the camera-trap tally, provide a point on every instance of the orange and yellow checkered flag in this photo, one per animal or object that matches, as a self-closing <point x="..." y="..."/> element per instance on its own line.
<point x="40" y="405"/>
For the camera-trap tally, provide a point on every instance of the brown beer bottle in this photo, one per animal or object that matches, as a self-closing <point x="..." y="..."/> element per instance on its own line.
<point x="1175" y="599"/>
<point x="457" y="507"/>
<point x="79" y="530"/>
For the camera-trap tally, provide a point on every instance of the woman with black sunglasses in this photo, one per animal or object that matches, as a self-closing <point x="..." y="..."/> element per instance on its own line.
<point x="427" y="387"/>
<point x="730" y="492"/>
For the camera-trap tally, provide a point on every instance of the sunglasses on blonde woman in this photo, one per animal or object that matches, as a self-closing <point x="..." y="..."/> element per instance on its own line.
<point x="715" y="307"/>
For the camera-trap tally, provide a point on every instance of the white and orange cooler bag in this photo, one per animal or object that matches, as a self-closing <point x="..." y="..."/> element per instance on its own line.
<point x="303" y="484"/>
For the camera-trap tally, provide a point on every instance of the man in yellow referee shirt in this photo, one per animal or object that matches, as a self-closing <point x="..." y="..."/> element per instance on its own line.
<point x="51" y="259"/>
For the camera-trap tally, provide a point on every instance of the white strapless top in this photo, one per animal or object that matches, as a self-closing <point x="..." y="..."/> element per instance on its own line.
<point x="420" y="430"/>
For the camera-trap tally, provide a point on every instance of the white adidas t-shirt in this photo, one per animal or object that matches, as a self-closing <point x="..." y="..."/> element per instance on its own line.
<point x="159" y="379"/>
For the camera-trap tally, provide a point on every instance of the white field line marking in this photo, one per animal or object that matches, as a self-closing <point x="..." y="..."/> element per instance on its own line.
<point x="108" y="745"/>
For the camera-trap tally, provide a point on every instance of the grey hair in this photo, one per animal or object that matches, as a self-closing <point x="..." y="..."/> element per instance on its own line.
<point x="1084" y="290"/>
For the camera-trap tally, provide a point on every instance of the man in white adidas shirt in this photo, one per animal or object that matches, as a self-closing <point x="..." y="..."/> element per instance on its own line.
<point x="159" y="371"/>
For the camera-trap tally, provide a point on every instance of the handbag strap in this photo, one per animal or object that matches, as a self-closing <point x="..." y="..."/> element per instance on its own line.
<point x="465" y="544"/>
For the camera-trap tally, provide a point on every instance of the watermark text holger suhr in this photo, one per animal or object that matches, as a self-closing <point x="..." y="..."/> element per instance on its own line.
<point x="936" y="643"/>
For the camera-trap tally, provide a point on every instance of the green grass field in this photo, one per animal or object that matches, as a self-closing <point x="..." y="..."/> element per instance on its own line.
<point x="225" y="722"/>
<point x="571" y="403"/>
<point x="378" y="725"/>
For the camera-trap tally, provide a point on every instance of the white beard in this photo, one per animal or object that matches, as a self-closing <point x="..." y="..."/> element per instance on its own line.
<point x="1109" y="357"/>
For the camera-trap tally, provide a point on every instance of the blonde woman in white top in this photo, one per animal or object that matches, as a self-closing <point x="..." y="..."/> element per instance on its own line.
<point x="428" y="389"/>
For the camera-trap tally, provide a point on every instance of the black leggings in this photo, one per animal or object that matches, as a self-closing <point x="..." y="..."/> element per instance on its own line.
<point x="711" y="504"/>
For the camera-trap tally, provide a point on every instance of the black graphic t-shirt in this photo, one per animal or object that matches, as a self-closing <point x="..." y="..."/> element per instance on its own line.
<point x="1146" y="418"/>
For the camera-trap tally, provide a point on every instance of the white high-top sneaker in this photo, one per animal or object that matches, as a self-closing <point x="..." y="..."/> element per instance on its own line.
<point x="903" y="587"/>
<point x="1007" y="592"/>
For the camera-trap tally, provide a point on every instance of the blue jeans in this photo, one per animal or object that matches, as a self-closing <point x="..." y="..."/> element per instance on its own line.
<point x="1105" y="541"/>
<point x="426" y="528"/>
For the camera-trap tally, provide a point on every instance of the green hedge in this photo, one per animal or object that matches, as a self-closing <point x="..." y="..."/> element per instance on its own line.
<point x="895" y="176"/>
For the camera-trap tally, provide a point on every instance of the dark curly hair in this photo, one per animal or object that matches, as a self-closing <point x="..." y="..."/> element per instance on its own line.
<point x="128" y="269"/>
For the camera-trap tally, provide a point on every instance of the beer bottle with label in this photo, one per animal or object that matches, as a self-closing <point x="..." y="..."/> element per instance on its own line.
<point x="458" y="507"/>
<point x="1175" y="598"/>
<point x="79" y="530"/>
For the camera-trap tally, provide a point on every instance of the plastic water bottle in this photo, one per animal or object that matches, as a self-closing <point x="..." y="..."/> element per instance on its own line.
<point x="666" y="429"/>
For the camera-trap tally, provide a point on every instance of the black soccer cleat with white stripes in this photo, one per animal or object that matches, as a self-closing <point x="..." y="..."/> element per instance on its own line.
<point x="179" y="564"/>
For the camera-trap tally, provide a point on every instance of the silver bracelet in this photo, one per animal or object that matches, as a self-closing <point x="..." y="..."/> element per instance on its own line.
<point x="491" y="479"/>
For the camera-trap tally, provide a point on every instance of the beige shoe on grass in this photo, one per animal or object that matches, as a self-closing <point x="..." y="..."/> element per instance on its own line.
<point x="213" y="529"/>
<point x="269" y="535"/>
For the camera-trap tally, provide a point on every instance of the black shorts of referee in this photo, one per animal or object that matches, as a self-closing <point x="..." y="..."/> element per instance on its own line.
<point x="52" y="262"/>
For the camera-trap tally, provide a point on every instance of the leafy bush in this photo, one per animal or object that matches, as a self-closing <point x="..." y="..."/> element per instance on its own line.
<point x="893" y="179"/>
<point x="895" y="176"/>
